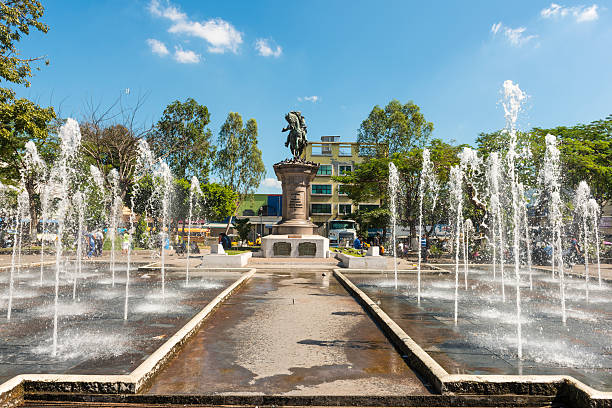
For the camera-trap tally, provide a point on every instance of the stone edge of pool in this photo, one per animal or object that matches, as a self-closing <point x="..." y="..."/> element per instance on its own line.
<point x="12" y="392"/>
<point x="567" y="387"/>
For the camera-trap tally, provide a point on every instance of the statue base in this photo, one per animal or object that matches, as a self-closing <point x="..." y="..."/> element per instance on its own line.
<point x="295" y="176"/>
<point x="294" y="246"/>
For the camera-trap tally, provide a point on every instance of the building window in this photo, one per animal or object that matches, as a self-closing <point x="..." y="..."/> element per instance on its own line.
<point x="345" y="150"/>
<point x="319" y="149"/>
<point x="321" y="209"/>
<point x="341" y="190"/>
<point x="367" y="207"/>
<point x="248" y="213"/>
<point x="344" y="209"/>
<point x="344" y="169"/>
<point x="324" y="170"/>
<point x="322" y="189"/>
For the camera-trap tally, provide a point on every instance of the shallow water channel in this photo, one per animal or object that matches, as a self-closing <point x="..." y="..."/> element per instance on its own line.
<point x="484" y="341"/>
<point x="93" y="337"/>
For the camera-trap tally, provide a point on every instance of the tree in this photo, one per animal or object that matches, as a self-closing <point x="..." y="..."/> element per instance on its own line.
<point x="239" y="164"/>
<point x="16" y="19"/>
<point x="218" y="201"/>
<point x="110" y="136"/>
<point x="395" y="129"/>
<point x="182" y="139"/>
<point x="243" y="227"/>
<point x="21" y="119"/>
<point x="586" y="154"/>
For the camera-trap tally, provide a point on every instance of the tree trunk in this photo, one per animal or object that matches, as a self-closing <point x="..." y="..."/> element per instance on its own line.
<point x="229" y="221"/>
<point x="32" y="207"/>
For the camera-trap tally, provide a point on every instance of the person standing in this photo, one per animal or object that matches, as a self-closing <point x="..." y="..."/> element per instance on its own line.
<point x="424" y="247"/>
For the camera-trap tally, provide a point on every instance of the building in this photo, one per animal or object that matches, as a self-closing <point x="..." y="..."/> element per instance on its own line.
<point x="327" y="201"/>
<point x="263" y="211"/>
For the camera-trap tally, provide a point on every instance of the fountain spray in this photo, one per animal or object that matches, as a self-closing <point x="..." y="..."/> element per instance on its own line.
<point x="393" y="189"/>
<point x="513" y="98"/>
<point x="22" y="208"/>
<point x="583" y="210"/>
<point x="594" y="207"/>
<point x="70" y="136"/>
<point x="456" y="182"/>
<point x="194" y="189"/>
<point x="429" y="183"/>
<point x="549" y="177"/>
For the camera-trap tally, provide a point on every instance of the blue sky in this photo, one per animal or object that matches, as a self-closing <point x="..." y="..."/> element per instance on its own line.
<point x="333" y="60"/>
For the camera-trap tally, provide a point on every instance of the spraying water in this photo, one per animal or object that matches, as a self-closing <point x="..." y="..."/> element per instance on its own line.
<point x="114" y="211"/>
<point x="22" y="208"/>
<point x="80" y="205"/>
<point x="526" y="237"/>
<point x="429" y="183"/>
<point x="393" y="189"/>
<point x="194" y="190"/>
<point x="165" y="183"/>
<point x="497" y="220"/>
<point x="44" y="205"/>
<point x="456" y="182"/>
<point x="513" y="98"/>
<point x="550" y="176"/>
<point x="70" y="136"/>
<point x="594" y="207"/>
<point x="583" y="210"/>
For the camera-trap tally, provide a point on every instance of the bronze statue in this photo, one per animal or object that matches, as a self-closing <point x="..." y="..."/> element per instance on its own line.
<point x="296" y="139"/>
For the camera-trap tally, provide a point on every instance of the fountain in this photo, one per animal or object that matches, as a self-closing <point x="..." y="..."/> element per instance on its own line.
<point x="427" y="184"/>
<point x="393" y="190"/>
<point x="194" y="191"/>
<point x="70" y="136"/>
<point x="115" y="208"/>
<point x="553" y="325"/>
<point x="22" y="207"/>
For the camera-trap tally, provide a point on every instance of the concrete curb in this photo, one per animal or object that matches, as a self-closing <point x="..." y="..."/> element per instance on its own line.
<point x="307" y="400"/>
<point x="566" y="387"/>
<point x="416" y="356"/>
<point x="12" y="391"/>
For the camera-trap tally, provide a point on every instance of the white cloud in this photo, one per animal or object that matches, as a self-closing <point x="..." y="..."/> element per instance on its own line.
<point x="265" y="49"/>
<point x="313" y="98"/>
<point x="185" y="56"/>
<point x="158" y="47"/>
<point x="270" y="182"/>
<point x="515" y="36"/>
<point x="580" y="13"/>
<point x="220" y="35"/>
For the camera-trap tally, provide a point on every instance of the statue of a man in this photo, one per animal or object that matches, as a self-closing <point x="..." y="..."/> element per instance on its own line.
<point x="296" y="139"/>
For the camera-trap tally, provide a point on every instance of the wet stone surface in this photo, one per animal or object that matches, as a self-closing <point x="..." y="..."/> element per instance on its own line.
<point x="289" y="333"/>
<point x="484" y="341"/>
<point x="93" y="337"/>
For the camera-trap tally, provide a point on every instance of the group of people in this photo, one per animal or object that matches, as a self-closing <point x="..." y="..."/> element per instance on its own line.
<point x="94" y="242"/>
<point x="361" y="243"/>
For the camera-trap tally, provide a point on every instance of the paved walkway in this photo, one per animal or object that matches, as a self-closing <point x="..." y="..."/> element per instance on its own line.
<point x="289" y="333"/>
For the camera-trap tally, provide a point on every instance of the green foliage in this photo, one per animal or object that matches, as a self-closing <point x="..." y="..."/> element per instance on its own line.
<point x="141" y="234"/>
<point x="395" y="129"/>
<point x="243" y="227"/>
<point x="219" y="201"/>
<point x="239" y="163"/>
<point x="586" y="154"/>
<point x="182" y="139"/>
<point x="16" y="20"/>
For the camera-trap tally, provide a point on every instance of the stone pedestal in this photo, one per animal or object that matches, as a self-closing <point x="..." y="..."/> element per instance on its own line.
<point x="293" y="236"/>
<point x="295" y="176"/>
<point x="294" y="246"/>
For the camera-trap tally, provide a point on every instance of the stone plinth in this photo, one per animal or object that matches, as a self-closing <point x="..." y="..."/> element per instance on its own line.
<point x="294" y="246"/>
<point x="295" y="176"/>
